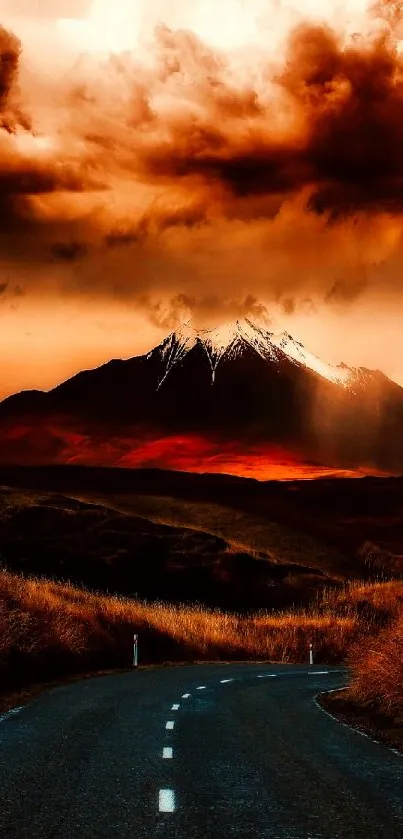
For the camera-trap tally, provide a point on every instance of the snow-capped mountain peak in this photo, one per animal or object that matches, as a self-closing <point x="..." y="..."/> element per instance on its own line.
<point x="295" y="351"/>
<point x="230" y="340"/>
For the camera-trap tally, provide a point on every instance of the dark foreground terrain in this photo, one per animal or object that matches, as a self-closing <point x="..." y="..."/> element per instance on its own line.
<point x="222" y="541"/>
<point x="99" y="547"/>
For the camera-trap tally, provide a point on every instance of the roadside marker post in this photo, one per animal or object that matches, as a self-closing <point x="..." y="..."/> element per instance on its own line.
<point x="311" y="653"/>
<point x="135" y="650"/>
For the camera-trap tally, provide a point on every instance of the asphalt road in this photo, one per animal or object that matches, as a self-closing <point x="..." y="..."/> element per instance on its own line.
<point x="252" y="757"/>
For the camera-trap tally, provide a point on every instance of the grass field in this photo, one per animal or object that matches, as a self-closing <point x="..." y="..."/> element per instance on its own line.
<point x="227" y="543"/>
<point x="49" y="630"/>
<point x="373" y="701"/>
<point x="377" y="666"/>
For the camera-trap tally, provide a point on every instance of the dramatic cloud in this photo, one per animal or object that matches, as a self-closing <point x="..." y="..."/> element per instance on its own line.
<point x="186" y="167"/>
<point x="343" y="138"/>
<point x="180" y="309"/>
<point x="11" y="116"/>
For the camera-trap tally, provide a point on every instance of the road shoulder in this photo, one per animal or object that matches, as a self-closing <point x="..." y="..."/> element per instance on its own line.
<point x="365" y="718"/>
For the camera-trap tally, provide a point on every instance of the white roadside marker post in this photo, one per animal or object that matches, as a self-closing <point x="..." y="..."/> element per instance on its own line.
<point x="311" y="653"/>
<point x="135" y="650"/>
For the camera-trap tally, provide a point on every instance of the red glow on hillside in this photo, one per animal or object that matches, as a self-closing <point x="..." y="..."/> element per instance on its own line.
<point x="51" y="443"/>
<point x="198" y="454"/>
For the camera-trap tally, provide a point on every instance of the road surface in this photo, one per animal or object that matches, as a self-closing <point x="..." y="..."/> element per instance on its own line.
<point x="196" y="752"/>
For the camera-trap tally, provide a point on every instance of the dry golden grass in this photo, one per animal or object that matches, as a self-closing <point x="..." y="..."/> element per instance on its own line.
<point x="49" y="629"/>
<point x="377" y="667"/>
<point x="378" y="602"/>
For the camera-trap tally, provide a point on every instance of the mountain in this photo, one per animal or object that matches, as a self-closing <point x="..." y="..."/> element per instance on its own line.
<point x="211" y="399"/>
<point x="232" y="340"/>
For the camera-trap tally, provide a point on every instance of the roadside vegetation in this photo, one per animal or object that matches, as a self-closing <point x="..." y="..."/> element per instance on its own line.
<point x="373" y="701"/>
<point x="49" y="630"/>
<point x="377" y="667"/>
<point x="290" y="548"/>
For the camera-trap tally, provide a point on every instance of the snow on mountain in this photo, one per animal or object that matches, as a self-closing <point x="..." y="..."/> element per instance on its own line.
<point x="232" y="339"/>
<point x="295" y="351"/>
<point x="175" y="347"/>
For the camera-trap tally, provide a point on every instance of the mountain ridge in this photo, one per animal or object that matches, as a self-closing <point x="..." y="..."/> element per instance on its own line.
<point x="212" y="399"/>
<point x="228" y="340"/>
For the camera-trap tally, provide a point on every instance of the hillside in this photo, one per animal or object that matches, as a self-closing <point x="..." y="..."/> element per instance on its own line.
<point x="221" y="541"/>
<point x="49" y="630"/>
<point x="106" y="548"/>
<point x="238" y="399"/>
<point x="276" y="561"/>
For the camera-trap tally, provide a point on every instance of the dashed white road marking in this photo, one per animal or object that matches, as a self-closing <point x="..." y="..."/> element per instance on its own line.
<point x="268" y="676"/>
<point x="223" y="681"/>
<point x="318" y="672"/>
<point x="170" y="724"/>
<point x="167" y="752"/>
<point x="166" y="801"/>
<point x="186" y="695"/>
<point x="175" y="708"/>
<point x="201" y="687"/>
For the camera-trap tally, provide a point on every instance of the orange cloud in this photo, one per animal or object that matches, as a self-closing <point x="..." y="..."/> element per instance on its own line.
<point x="185" y="143"/>
<point x="206" y="179"/>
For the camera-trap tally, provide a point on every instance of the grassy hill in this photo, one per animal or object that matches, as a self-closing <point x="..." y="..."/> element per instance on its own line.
<point x="242" y="530"/>
<point x="341" y="527"/>
<point x="221" y="541"/>
<point x="108" y="547"/>
<point x="50" y="629"/>
<point x="204" y="567"/>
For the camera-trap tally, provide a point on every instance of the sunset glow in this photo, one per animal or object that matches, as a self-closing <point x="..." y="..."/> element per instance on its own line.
<point x="165" y="162"/>
<point x="109" y="27"/>
<point x="227" y="24"/>
<point x="57" y="443"/>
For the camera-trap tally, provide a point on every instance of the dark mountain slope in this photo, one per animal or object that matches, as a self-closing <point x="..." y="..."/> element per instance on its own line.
<point x="245" y="385"/>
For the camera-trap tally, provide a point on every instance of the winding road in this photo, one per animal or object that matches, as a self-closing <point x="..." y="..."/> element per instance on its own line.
<point x="237" y="751"/>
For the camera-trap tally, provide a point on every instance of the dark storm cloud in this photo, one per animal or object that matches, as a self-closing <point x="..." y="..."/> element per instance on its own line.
<point x="68" y="251"/>
<point x="151" y="179"/>
<point x="25" y="169"/>
<point x="11" y="114"/>
<point x="346" y="139"/>
<point x="342" y="292"/>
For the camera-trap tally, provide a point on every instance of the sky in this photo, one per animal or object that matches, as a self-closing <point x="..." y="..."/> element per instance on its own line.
<point x="162" y="161"/>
